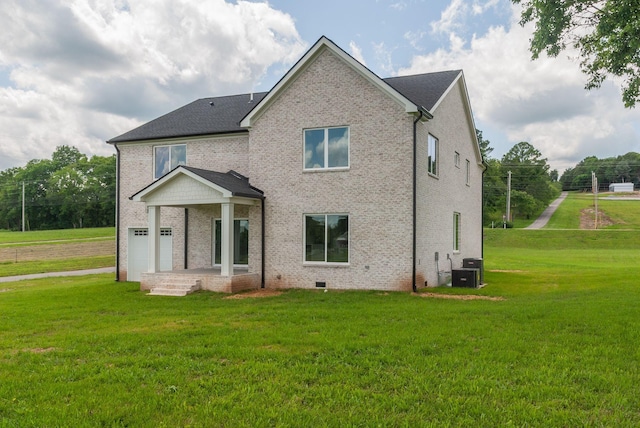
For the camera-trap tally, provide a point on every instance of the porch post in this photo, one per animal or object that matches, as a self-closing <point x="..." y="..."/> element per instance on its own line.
<point x="226" y="268"/>
<point x="154" y="238"/>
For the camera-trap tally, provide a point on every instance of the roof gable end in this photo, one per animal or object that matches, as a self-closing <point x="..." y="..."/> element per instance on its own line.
<point x="320" y="46"/>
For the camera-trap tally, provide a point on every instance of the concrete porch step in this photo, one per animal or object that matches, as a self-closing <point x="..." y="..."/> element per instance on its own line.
<point x="175" y="287"/>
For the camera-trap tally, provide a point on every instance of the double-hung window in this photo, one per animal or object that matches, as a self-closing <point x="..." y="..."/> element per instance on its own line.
<point x="326" y="148"/>
<point x="166" y="158"/>
<point x="432" y="155"/>
<point x="468" y="176"/>
<point x="326" y="238"/>
<point x="456" y="232"/>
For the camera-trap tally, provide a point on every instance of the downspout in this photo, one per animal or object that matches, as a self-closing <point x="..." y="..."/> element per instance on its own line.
<point x="186" y="238"/>
<point x="415" y="197"/>
<point x="117" y="212"/>
<point x="262" y="282"/>
<point x="482" y="212"/>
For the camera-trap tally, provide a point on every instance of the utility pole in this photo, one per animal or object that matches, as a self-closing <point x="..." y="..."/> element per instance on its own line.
<point x="509" y="196"/>
<point x="594" y="189"/>
<point x="23" y="206"/>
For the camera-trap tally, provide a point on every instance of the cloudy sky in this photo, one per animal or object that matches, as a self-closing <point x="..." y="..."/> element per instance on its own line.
<point x="80" y="72"/>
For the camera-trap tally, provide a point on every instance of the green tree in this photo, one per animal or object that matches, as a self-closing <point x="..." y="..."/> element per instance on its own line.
<point x="606" y="32"/>
<point x="485" y="149"/>
<point x="530" y="172"/>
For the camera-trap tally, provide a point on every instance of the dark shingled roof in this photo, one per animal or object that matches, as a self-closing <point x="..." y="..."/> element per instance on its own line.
<point x="200" y="117"/>
<point x="234" y="182"/>
<point x="424" y="90"/>
<point x="221" y="115"/>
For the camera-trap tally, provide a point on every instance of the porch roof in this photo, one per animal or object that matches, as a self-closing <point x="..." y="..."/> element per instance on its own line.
<point x="186" y="185"/>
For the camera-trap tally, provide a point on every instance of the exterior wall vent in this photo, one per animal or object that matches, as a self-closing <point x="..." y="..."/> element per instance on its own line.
<point x="321" y="284"/>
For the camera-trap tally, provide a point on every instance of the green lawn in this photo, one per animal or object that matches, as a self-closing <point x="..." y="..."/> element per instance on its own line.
<point x="560" y="350"/>
<point x="12" y="237"/>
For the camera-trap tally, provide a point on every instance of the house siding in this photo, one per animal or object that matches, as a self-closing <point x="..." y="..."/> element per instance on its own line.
<point x="376" y="190"/>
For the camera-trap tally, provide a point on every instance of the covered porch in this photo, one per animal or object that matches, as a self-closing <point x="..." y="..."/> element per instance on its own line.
<point x="188" y="187"/>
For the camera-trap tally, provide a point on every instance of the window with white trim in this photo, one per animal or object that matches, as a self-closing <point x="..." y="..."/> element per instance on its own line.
<point x="456" y="232"/>
<point x="326" y="148"/>
<point x="166" y="158"/>
<point x="326" y="238"/>
<point x="432" y="155"/>
<point x="468" y="178"/>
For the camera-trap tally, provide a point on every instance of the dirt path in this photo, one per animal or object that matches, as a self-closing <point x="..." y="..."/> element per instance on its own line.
<point x="57" y="251"/>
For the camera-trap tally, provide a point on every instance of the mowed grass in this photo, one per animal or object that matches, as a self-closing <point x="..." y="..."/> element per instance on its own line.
<point x="625" y="214"/>
<point x="561" y="349"/>
<point x="19" y="238"/>
<point x="23" y="242"/>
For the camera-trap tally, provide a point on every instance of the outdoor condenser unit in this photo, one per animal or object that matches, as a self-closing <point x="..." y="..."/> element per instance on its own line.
<point x="465" y="277"/>
<point x="471" y="263"/>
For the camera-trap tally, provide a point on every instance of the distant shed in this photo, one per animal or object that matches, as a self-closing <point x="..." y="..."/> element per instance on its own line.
<point x="621" y="187"/>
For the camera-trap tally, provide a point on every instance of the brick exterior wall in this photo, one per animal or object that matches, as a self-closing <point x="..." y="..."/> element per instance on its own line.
<point x="375" y="191"/>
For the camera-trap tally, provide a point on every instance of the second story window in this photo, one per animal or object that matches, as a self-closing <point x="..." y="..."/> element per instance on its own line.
<point x="165" y="158"/>
<point x="326" y="148"/>
<point x="432" y="155"/>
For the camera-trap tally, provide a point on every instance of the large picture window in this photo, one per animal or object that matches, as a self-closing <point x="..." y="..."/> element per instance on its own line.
<point x="240" y="242"/>
<point x="326" y="238"/>
<point x="432" y="155"/>
<point x="165" y="158"/>
<point x="326" y="148"/>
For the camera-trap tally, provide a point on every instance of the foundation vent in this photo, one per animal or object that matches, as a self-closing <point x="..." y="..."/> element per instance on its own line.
<point x="321" y="284"/>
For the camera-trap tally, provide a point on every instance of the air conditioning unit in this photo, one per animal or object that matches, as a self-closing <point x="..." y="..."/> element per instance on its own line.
<point x="465" y="277"/>
<point x="471" y="263"/>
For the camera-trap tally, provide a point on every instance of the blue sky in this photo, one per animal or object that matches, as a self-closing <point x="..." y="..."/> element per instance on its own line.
<point x="81" y="72"/>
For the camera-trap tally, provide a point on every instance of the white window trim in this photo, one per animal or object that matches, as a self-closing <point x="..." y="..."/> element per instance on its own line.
<point x="457" y="226"/>
<point x="437" y="156"/>
<point x="326" y="151"/>
<point x="304" y="242"/>
<point x="213" y="242"/>
<point x="166" y="145"/>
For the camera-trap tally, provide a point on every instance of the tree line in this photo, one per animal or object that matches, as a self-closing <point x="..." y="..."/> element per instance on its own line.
<point x="67" y="191"/>
<point x="620" y="169"/>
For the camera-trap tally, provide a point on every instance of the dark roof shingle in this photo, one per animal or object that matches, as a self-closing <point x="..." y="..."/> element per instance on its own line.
<point x="221" y="115"/>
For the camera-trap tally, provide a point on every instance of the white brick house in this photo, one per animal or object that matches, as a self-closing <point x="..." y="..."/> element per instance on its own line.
<point x="334" y="178"/>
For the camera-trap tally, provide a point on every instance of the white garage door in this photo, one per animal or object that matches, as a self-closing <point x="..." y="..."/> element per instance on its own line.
<point x="138" y="245"/>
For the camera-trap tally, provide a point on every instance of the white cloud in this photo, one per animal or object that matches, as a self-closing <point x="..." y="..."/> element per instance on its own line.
<point x="84" y="71"/>
<point x="449" y="18"/>
<point x="356" y="52"/>
<point x="543" y="102"/>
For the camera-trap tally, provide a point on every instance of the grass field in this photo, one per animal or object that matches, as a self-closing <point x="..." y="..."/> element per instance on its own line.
<point x="88" y="250"/>
<point x="561" y="348"/>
